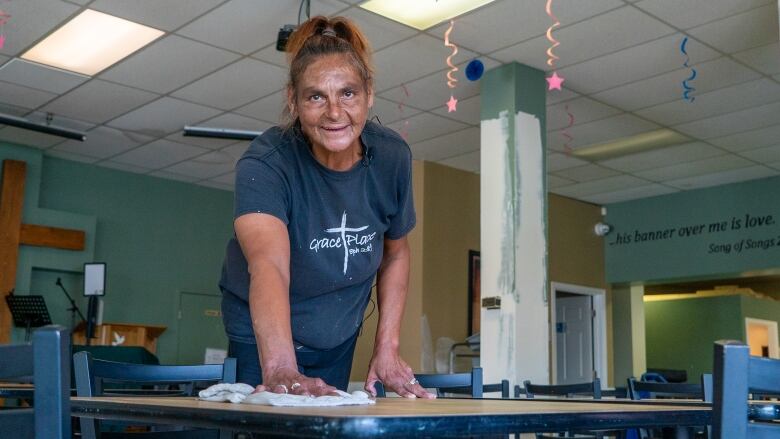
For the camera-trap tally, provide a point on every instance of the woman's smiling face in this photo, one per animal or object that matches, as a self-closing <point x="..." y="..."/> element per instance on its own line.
<point x="332" y="104"/>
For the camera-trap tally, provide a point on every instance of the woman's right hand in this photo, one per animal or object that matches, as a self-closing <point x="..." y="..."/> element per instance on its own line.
<point x="289" y="380"/>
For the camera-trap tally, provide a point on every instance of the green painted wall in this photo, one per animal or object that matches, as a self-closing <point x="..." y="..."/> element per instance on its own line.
<point x="701" y="233"/>
<point x="680" y="333"/>
<point x="159" y="237"/>
<point x="765" y="309"/>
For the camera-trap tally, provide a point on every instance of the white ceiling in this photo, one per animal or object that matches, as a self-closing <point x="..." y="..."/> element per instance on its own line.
<point x="217" y="66"/>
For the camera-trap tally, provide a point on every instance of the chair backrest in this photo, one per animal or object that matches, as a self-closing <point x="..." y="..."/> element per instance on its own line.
<point x="46" y="360"/>
<point x="592" y="388"/>
<point x="651" y="390"/>
<point x="92" y="375"/>
<point x="735" y="375"/>
<point x="464" y="383"/>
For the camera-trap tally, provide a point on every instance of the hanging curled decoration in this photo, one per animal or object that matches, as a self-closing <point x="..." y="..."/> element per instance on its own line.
<point x="567" y="143"/>
<point x="687" y="89"/>
<point x="451" y="80"/>
<point x="551" y="57"/>
<point x="4" y="16"/>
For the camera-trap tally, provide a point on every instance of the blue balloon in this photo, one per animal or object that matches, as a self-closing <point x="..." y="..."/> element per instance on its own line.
<point x="474" y="70"/>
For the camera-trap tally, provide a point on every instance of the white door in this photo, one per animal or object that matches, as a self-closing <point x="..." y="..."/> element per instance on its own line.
<point x="574" y="339"/>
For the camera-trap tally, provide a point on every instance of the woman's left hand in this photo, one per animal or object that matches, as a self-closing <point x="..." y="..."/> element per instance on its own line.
<point x="392" y="371"/>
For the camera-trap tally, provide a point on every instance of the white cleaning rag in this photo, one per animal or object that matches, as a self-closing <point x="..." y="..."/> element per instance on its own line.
<point x="242" y="393"/>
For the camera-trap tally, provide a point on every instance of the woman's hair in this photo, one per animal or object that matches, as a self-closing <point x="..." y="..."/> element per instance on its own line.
<point x="320" y="36"/>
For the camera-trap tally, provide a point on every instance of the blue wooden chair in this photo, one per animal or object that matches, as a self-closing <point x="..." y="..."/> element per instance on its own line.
<point x="469" y="383"/>
<point x="47" y="361"/>
<point x="737" y="375"/>
<point x="639" y="390"/>
<point x="93" y="374"/>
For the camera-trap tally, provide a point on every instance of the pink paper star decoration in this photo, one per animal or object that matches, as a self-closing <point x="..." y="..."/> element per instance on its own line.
<point x="452" y="104"/>
<point x="554" y="82"/>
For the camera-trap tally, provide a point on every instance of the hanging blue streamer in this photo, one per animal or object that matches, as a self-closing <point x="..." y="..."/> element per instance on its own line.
<point x="687" y="89"/>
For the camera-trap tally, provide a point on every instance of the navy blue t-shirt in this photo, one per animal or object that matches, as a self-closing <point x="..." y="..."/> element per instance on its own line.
<point x="337" y="222"/>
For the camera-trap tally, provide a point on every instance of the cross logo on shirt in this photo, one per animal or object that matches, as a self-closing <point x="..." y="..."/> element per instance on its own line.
<point x="343" y="231"/>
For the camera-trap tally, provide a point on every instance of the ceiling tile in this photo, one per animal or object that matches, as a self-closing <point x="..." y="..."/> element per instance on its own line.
<point x="526" y="19"/>
<point x="103" y="142"/>
<point x="389" y="112"/>
<point x="227" y="120"/>
<point x="29" y="138"/>
<point x="69" y="156"/>
<point x="432" y="92"/>
<point x="609" y="29"/>
<point x="753" y="28"/>
<point x="205" y="166"/>
<point x="763" y="155"/>
<point x="380" y="31"/>
<point x="721" y="178"/>
<point x="667" y="87"/>
<point x="699" y="167"/>
<point x="168" y="64"/>
<point x="270" y="55"/>
<point x="269" y="108"/>
<point x="750" y="139"/>
<point x="609" y="184"/>
<point x="124" y="167"/>
<point x="448" y="145"/>
<point x="163" y="116"/>
<point x="466" y="162"/>
<point x="33" y="75"/>
<point x="468" y="111"/>
<point x="727" y="99"/>
<point x="632" y="64"/>
<point x="167" y="15"/>
<point x="158" y="154"/>
<point x="586" y="173"/>
<point x="245" y="26"/>
<point x="557" y="96"/>
<point x="659" y="158"/>
<point x="690" y="13"/>
<point x="412" y="59"/>
<point x="581" y="109"/>
<point x="731" y="123"/>
<point x="249" y="79"/>
<point x="766" y="59"/>
<point x="650" y="190"/>
<point x="23" y="96"/>
<point x="21" y="32"/>
<point x="599" y="131"/>
<point x="228" y="179"/>
<point x="98" y="101"/>
<point x="424" y="126"/>
<point x="557" y="161"/>
<point x="216" y="185"/>
<point x="553" y="181"/>
<point x="172" y="176"/>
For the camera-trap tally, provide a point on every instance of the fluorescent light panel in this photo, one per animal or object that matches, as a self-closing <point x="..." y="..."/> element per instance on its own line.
<point x="421" y="14"/>
<point x="631" y="145"/>
<point x="91" y="42"/>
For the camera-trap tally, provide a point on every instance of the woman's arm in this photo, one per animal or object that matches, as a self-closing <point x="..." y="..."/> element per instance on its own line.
<point x="266" y="247"/>
<point x="392" y="285"/>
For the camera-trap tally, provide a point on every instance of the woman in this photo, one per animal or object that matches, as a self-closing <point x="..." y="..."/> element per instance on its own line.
<point x="322" y="208"/>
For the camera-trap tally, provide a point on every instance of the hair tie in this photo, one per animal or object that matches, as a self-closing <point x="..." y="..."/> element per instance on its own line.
<point x="328" y="33"/>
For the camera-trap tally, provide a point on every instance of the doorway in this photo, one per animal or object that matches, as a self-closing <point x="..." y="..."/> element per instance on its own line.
<point x="578" y="328"/>
<point x="762" y="337"/>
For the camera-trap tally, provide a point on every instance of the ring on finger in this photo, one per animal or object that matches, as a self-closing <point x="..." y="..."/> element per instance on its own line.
<point x="283" y="387"/>
<point x="295" y="386"/>
<point x="413" y="381"/>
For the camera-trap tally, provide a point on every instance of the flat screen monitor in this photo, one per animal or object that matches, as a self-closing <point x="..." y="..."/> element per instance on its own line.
<point x="94" y="278"/>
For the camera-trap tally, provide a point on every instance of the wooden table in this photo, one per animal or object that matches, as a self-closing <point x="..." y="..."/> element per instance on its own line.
<point x="398" y="417"/>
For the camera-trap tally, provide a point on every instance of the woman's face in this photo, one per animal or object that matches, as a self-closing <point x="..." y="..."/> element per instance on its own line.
<point x="332" y="105"/>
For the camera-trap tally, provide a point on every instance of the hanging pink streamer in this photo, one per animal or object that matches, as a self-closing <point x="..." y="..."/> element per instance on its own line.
<point x="451" y="80"/>
<point x="405" y="129"/>
<point x="567" y="144"/>
<point x="551" y="57"/>
<point x="4" y="16"/>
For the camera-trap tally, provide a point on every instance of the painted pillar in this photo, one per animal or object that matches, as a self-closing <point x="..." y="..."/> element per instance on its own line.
<point x="513" y="259"/>
<point x="628" y="327"/>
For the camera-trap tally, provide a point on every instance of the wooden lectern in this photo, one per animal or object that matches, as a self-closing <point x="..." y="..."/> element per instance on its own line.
<point x="121" y="334"/>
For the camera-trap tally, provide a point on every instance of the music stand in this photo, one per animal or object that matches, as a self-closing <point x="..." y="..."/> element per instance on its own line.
<point x="28" y="312"/>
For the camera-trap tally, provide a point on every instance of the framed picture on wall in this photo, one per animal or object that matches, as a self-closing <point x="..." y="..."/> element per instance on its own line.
<point x="474" y="293"/>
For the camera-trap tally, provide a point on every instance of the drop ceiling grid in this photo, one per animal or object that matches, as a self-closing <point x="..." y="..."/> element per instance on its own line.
<point x="474" y="43"/>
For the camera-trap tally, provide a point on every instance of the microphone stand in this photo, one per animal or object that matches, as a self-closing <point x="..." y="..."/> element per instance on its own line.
<point x="73" y="309"/>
